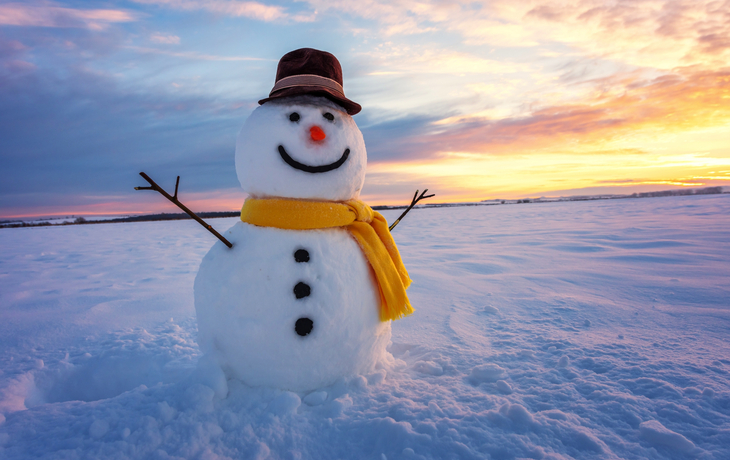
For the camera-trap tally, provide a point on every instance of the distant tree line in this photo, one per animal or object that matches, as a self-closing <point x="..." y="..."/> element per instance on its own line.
<point x="144" y="218"/>
<point x="213" y="215"/>
<point x="679" y="192"/>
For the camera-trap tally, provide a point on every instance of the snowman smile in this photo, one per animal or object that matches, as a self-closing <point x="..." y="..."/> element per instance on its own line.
<point x="312" y="169"/>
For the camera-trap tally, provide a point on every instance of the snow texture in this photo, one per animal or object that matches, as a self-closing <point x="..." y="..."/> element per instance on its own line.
<point x="93" y="366"/>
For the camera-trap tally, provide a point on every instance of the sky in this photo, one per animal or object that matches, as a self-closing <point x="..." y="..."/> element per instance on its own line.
<point x="472" y="100"/>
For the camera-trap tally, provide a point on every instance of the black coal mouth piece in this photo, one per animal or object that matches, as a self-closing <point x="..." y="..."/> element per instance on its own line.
<point x="312" y="169"/>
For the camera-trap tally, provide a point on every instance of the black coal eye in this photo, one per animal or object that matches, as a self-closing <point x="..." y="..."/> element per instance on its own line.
<point x="294" y="117"/>
<point x="329" y="116"/>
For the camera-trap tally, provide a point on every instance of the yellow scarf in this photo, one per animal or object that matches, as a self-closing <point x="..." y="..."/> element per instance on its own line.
<point x="368" y="227"/>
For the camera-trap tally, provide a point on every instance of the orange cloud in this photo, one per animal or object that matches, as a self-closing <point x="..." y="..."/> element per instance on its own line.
<point x="643" y="33"/>
<point x="621" y="106"/>
<point x="631" y="133"/>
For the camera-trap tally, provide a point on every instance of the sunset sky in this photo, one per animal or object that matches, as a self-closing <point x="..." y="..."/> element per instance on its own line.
<point x="472" y="100"/>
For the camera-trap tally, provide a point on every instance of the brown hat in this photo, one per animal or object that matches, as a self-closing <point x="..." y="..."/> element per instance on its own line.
<point x="310" y="71"/>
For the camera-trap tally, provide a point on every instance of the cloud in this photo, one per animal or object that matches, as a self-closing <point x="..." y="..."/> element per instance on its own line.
<point x="192" y="54"/>
<point x="627" y="106"/>
<point x="637" y="131"/>
<point x="660" y="34"/>
<point x="411" y="60"/>
<point x="12" y="58"/>
<point x="20" y="14"/>
<point x="80" y="138"/>
<point x="253" y="10"/>
<point x="644" y="33"/>
<point x="165" y="39"/>
<point x="397" y="18"/>
<point x="11" y="47"/>
<point x="455" y="92"/>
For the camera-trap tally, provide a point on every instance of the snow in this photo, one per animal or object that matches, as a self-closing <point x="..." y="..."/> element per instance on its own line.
<point x="656" y="433"/>
<point x="100" y="359"/>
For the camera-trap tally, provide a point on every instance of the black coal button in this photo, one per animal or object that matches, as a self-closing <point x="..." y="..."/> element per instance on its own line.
<point x="302" y="290"/>
<point x="301" y="255"/>
<point x="304" y="326"/>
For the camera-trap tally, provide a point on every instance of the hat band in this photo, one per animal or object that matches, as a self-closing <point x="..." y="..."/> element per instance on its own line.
<point x="307" y="80"/>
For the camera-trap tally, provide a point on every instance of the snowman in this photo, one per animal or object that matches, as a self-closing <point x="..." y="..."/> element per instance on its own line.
<point x="307" y="292"/>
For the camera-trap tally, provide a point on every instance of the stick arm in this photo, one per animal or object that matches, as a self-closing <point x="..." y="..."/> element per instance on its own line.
<point x="416" y="199"/>
<point x="173" y="198"/>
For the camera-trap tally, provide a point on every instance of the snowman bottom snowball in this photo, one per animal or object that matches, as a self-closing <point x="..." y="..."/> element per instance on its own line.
<point x="289" y="309"/>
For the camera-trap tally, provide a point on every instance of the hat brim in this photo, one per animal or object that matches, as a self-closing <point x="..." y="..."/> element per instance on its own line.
<point x="350" y="107"/>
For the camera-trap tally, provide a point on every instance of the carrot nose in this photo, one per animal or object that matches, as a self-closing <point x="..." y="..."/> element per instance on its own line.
<point x="317" y="133"/>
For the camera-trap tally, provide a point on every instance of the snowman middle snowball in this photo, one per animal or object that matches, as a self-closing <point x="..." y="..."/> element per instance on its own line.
<point x="293" y="309"/>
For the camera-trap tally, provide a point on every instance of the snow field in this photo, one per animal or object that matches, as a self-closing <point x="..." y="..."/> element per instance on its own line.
<point x="558" y="330"/>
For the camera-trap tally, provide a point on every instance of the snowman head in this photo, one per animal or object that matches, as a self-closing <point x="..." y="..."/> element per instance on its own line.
<point x="302" y="141"/>
<point x="305" y="147"/>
